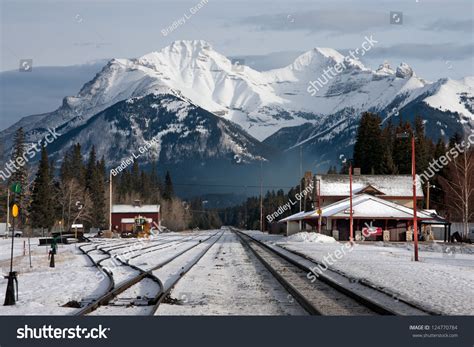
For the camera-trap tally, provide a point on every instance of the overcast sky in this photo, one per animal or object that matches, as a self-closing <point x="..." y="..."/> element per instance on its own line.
<point x="435" y="38"/>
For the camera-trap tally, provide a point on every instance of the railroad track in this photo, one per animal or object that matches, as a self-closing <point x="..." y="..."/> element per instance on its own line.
<point x="143" y="293"/>
<point x="325" y="295"/>
<point x="170" y="282"/>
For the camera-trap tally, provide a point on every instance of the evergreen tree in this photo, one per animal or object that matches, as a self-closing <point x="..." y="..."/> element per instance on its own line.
<point x="136" y="177"/>
<point x="387" y="166"/>
<point x="421" y="146"/>
<point x="91" y="169"/>
<point x="155" y="182"/>
<point x="168" y="191"/>
<point x="402" y="148"/>
<point x="65" y="172"/>
<point x="368" y="149"/>
<point x="98" y="193"/>
<point x="42" y="210"/>
<point x="455" y="139"/>
<point x="95" y="186"/>
<point x="77" y="165"/>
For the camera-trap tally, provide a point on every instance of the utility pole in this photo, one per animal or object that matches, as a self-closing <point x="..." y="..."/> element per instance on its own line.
<point x="428" y="195"/>
<point x="8" y="212"/>
<point x="245" y="203"/>
<point x="351" y="220"/>
<point x="413" y="172"/>
<point x="261" y="196"/>
<point x="301" y="173"/>
<point x="318" y="187"/>
<point x="110" y="201"/>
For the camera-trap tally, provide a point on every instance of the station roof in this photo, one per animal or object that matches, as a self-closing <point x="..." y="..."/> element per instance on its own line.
<point x="135" y="209"/>
<point x="364" y="206"/>
<point x="388" y="185"/>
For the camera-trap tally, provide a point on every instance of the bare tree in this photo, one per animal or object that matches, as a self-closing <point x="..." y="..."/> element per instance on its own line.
<point x="176" y="215"/>
<point x="75" y="203"/>
<point x="459" y="188"/>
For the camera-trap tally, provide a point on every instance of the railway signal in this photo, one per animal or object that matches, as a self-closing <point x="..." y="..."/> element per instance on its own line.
<point x="12" y="285"/>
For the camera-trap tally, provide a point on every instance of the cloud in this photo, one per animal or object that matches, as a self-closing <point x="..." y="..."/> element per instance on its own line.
<point x="440" y="51"/>
<point x="321" y="20"/>
<point x="446" y="24"/>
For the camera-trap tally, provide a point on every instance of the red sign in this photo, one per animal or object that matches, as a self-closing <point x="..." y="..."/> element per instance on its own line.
<point x="371" y="231"/>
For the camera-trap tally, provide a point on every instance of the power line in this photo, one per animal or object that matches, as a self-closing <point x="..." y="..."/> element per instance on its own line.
<point x="229" y="185"/>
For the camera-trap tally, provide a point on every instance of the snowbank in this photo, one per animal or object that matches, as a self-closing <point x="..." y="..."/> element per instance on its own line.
<point x="310" y="237"/>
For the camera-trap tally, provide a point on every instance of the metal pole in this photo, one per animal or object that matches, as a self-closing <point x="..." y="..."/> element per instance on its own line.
<point x="319" y="205"/>
<point x="301" y="172"/>
<point x="261" y="197"/>
<point x="13" y="238"/>
<point x="428" y="195"/>
<point x="110" y="202"/>
<point x="245" y="203"/>
<point x="8" y="212"/>
<point x="29" y="246"/>
<point x="413" y="171"/>
<point x="351" y="226"/>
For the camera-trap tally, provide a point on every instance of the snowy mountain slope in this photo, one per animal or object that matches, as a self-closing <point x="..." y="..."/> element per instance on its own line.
<point x="171" y="129"/>
<point x="263" y="104"/>
<point x="454" y="96"/>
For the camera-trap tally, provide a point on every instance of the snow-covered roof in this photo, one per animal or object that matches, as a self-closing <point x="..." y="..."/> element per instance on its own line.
<point x="364" y="206"/>
<point x="389" y="185"/>
<point x="135" y="209"/>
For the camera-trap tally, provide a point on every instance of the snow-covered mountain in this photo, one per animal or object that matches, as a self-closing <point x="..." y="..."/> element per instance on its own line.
<point x="164" y="128"/>
<point x="277" y="106"/>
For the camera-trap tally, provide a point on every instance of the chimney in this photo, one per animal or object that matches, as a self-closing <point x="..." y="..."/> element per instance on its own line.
<point x="137" y="203"/>
<point x="308" y="177"/>
<point x="357" y="171"/>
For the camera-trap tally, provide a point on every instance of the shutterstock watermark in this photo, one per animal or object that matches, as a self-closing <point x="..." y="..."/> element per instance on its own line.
<point x="48" y="332"/>
<point x="332" y="71"/>
<point x="15" y="164"/>
<point x="438" y="164"/>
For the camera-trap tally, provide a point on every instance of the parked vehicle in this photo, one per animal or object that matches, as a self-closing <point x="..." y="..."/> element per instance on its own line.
<point x="3" y="227"/>
<point x="3" y="232"/>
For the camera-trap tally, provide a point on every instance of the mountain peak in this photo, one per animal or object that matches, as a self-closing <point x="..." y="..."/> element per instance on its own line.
<point x="385" y="69"/>
<point x="317" y="56"/>
<point x="189" y="45"/>
<point x="324" y="56"/>
<point x="404" y="71"/>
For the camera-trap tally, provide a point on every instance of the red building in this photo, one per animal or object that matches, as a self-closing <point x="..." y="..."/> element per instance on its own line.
<point x="123" y="216"/>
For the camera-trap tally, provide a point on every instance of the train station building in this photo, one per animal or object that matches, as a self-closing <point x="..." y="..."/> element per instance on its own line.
<point x="123" y="216"/>
<point x="380" y="202"/>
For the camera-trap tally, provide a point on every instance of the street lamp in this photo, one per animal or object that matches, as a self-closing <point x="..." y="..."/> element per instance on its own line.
<point x="405" y="134"/>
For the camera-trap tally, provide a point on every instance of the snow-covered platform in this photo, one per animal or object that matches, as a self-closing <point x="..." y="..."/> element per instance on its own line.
<point x="442" y="281"/>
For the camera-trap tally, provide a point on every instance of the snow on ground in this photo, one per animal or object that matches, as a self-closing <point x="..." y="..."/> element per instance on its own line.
<point x="443" y="282"/>
<point x="147" y="261"/>
<point x="229" y="280"/>
<point x="310" y="237"/>
<point x="43" y="290"/>
<point x="171" y="272"/>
